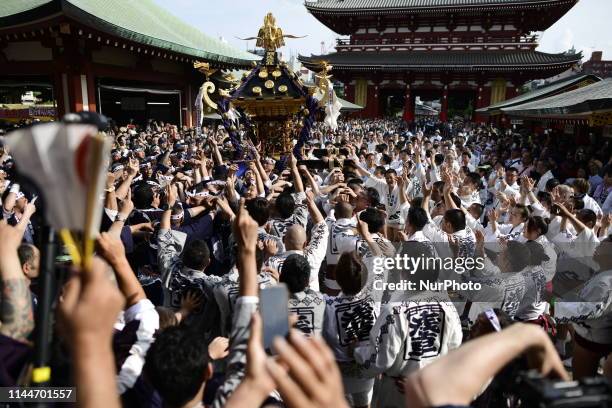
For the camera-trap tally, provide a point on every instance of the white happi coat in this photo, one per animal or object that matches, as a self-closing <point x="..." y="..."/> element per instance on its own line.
<point x="591" y="314"/>
<point x="406" y="337"/>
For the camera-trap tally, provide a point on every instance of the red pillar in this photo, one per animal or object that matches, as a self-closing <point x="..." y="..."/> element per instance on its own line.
<point x="444" y="105"/>
<point x="511" y="91"/>
<point x="58" y="94"/>
<point x="408" y="106"/>
<point x="372" y="109"/>
<point x="81" y="92"/>
<point x="376" y="105"/>
<point x="482" y="101"/>
<point x="349" y="93"/>
<point x="92" y="91"/>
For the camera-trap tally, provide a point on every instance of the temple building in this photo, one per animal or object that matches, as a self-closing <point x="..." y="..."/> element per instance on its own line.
<point x="468" y="54"/>
<point x="129" y="60"/>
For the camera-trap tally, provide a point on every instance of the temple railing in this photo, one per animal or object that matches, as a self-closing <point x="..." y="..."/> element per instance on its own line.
<point x="531" y="40"/>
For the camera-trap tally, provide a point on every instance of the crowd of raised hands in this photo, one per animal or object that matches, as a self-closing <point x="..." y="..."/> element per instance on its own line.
<point x="303" y="370"/>
<point x="167" y="314"/>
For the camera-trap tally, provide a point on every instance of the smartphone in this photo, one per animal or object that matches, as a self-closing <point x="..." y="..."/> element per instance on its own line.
<point x="274" y="313"/>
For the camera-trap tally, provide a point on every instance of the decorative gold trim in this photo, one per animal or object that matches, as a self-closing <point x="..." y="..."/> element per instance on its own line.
<point x="209" y="88"/>
<point x="282" y="88"/>
<point x="256" y="90"/>
<point x="269" y="84"/>
<point x="263" y="74"/>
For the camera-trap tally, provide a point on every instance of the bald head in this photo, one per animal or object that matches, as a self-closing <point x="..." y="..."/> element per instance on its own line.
<point x="343" y="210"/>
<point x="295" y="238"/>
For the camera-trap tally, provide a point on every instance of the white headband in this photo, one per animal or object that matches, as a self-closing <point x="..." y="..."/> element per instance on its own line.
<point x="177" y="216"/>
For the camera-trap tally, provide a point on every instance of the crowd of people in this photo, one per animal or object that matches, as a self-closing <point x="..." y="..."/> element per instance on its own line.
<point x="513" y="226"/>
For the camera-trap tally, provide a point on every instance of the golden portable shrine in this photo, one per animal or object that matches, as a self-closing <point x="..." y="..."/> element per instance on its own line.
<point x="270" y="103"/>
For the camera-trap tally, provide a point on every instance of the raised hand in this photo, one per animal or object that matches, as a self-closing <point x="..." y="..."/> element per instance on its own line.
<point x="479" y="236"/>
<point x="127" y="205"/>
<point x="273" y="272"/>
<point x="191" y="301"/>
<point x="110" y="180"/>
<point x="306" y="374"/>
<point x="270" y="247"/>
<point x="493" y="215"/>
<point x="110" y="248"/>
<point x="30" y="209"/>
<point x="133" y="167"/>
<point x="171" y="195"/>
<point x="218" y="348"/>
<point x="245" y="229"/>
<point x="426" y="190"/>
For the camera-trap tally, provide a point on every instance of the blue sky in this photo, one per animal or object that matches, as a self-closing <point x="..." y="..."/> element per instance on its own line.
<point x="586" y="26"/>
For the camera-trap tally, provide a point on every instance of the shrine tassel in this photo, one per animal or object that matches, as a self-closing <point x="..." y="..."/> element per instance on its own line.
<point x="223" y="107"/>
<point x="312" y="105"/>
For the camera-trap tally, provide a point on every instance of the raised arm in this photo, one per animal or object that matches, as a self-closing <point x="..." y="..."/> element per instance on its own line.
<point x="11" y="199"/>
<point x="295" y="174"/>
<point x="245" y="232"/>
<point x="402" y="182"/>
<point x="112" y="250"/>
<point x="132" y="169"/>
<point x="311" y="180"/>
<point x="16" y="318"/>
<point x="90" y="306"/>
<point x="362" y="227"/>
<point x="170" y="201"/>
<point x="423" y="387"/>
<point x="258" y="181"/>
<point x="448" y="199"/>
<point x="313" y="210"/>
<point x="258" y="166"/>
<point x="216" y="154"/>
<point x="110" y="199"/>
<point x="567" y="215"/>
<point x="125" y="210"/>
<point x="426" y="197"/>
<point x="360" y="170"/>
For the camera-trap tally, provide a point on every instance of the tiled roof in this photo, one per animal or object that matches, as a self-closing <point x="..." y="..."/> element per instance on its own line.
<point x="349" y="106"/>
<point x="543" y="92"/>
<point x="141" y="21"/>
<point x="436" y="60"/>
<point x="585" y="100"/>
<point x="343" y="5"/>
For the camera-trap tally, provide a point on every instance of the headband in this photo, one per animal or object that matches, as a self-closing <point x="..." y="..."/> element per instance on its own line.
<point x="177" y="216"/>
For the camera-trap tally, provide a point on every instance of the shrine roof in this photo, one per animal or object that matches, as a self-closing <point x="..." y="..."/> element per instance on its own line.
<point x="584" y="101"/>
<point x="141" y="21"/>
<point x="417" y="5"/>
<point x="551" y="89"/>
<point x="435" y="61"/>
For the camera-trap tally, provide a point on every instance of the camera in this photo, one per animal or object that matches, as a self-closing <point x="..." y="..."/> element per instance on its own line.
<point x="535" y="391"/>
